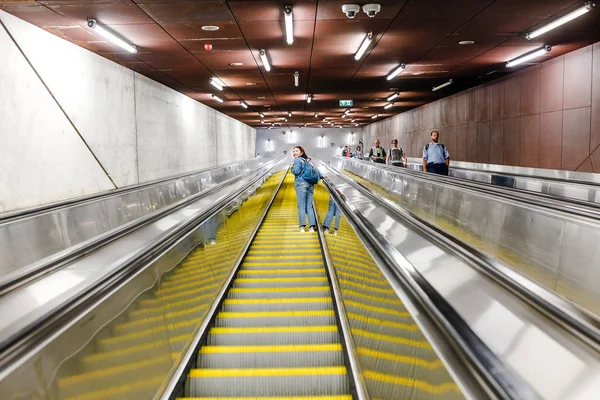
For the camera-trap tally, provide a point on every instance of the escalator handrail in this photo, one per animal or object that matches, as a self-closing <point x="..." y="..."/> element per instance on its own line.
<point x="24" y="275"/>
<point x="26" y="339"/>
<point x="571" y="177"/>
<point x="547" y="203"/>
<point x="570" y="316"/>
<point x="486" y="366"/>
<point x="12" y="216"/>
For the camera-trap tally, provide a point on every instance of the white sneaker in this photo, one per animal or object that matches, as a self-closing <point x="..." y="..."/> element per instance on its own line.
<point x="213" y="241"/>
<point x="335" y="232"/>
<point x="311" y="229"/>
<point x="326" y="230"/>
<point x="302" y="229"/>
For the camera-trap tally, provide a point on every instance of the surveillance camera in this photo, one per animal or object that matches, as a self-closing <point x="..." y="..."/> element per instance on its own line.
<point x="371" y="9"/>
<point x="350" y="10"/>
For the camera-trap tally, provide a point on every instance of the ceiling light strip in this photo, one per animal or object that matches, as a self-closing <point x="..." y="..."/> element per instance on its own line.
<point x="392" y="96"/>
<point x="265" y="60"/>
<point x="243" y="104"/>
<point x="563" y="20"/>
<point x="363" y="47"/>
<point x="289" y="25"/>
<point x="296" y="78"/>
<point x="217" y="98"/>
<point x="111" y="37"/>
<point x="443" y="85"/>
<point x="528" y="56"/>
<point x="388" y="106"/>
<point x="216" y="82"/>
<point x="396" y="72"/>
<point x="309" y="98"/>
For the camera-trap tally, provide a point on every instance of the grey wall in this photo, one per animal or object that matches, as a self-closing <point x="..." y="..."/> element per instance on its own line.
<point x="309" y="139"/>
<point x="73" y="123"/>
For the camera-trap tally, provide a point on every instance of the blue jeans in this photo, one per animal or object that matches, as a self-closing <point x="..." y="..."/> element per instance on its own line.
<point x="333" y="211"/>
<point x="304" y="194"/>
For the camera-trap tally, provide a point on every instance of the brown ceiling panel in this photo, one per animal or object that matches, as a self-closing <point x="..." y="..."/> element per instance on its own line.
<point x="186" y="12"/>
<point x="423" y="34"/>
<point x="112" y="12"/>
<point x="255" y="11"/>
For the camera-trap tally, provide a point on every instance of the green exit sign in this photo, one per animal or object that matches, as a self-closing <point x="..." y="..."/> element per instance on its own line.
<point x="346" y="103"/>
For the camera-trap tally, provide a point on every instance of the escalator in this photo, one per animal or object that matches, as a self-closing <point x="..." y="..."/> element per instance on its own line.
<point x="276" y="334"/>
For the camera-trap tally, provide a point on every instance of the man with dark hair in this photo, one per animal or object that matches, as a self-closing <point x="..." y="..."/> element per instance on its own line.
<point x="377" y="153"/>
<point x="436" y="158"/>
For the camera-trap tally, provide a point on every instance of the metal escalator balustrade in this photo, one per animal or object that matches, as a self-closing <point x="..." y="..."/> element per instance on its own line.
<point x="546" y="246"/>
<point x="396" y="359"/>
<point x="276" y="334"/>
<point x="133" y="355"/>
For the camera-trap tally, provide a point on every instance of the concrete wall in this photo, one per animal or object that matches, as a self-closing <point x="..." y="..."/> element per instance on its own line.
<point x="73" y="123"/>
<point x="545" y="116"/>
<point x="309" y="138"/>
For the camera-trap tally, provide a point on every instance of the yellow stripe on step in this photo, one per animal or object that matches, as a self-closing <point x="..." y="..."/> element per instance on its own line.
<point x="281" y="271"/>
<point x="270" y="349"/>
<point x="392" y="339"/>
<point x="273" y="329"/>
<point x="399" y="358"/>
<point x="291" y="246"/>
<point x="258" y="372"/>
<point x="382" y="310"/>
<point x="383" y="322"/>
<point x="345" y="282"/>
<point x="342" y="397"/>
<point x="279" y="300"/>
<point x="370" y="298"/>
<point x="258" y="314"/>
<point x="412" y="383"/>
<point x="280" y="280"/>
<point x="280" y="289"/>
<point x="282" y="264"/>
<point x="271" y="257"/>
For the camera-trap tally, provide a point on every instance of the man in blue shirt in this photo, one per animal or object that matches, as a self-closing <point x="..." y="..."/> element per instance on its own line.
<point x="436" y="158"/>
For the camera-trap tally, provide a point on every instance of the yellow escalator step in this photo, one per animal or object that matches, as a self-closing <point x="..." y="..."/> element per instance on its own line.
<point x="317" y="256"/>
<point x="256" y="372"/>
<point x="393" y="339"/>
<point x="370" y="298"/>
<point x="281" y="271"/>
<point x="270" y="348"/>
<point x="399" y="358"/>
<point x="258" y="314"/>
<point x="274" y="329"/>
<point x="345" y="282"/>
<point x="280" y="300"/>
<point x="381" y="322"/>
<point x="280" y="280"/>
<point x="382" y="310"/>
<point x="342" y="397"/>
<point x="282" y="263"/>
<point x="280" y="289"/>
<point x="411" y="382"/>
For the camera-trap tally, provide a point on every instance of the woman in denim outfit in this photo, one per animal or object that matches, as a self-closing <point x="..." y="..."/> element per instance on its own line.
<point x="304" y="190"/>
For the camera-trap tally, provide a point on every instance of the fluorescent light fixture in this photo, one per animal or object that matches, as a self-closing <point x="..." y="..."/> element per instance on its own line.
<point x="112" y="38"/>
<point x="289" y="24"/>
<point x="443" y="85"/>
<point x="393" y="96"/>
<point x="217" y="98"/>
<point x="396" y="72"/>
<point x="324" y="119"/>
<point x="356" y="124"/>
<point x="374" y="116"/>
<point x="262" y="121"/>
<point x="316" y="115"/>
<point x="261" y="115"/>
<point x="344" y="115"/>
<point x="563" y="20"/>
<point x="265" y="60"/>
<point x="243" y="104"/>
<point x="216" y="82"/>
<point x="296" y="78"/>
<point x="321" y="142"/>
<point x="354" y="120"/>
<point x="528" y="56"/>
<point x="269" y="145"/>
<point x="309" y="98"/>
<point x="363" y="47"/>
<point x="289" y="113"/>
<point x="387" y="106"/>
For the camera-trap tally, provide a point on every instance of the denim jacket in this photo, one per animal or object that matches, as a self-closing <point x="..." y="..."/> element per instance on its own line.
<point x="297" y="169"/>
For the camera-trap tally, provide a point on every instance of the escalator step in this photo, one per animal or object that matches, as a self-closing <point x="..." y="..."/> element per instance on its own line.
<point x="281" y="282"/>
<point x="267" y="382"/>
<point x="274" y="335"/>
<point x="279" y="292"/>
<point x="278" y="304"/>
<point x="342" y="397"/>
<point x="269" y="356"/>
<point x="275" y="318"/>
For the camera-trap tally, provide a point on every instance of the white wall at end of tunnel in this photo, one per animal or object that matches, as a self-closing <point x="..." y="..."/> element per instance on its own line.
<point x="73" y="123"/>
<point x="310" y="139"/>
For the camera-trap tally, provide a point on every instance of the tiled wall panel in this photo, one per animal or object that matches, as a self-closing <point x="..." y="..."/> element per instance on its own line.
<point x="530" y="140"/>
<point x="552" y="83"/>
<point x="576" y="137"/>
<point x="550" y="147"/>
<point x="578" y="78"/>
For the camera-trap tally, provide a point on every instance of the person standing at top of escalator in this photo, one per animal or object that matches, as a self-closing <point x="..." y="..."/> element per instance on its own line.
<point x="396" y="155"/>
<point x="377" y="153"/>
<point x="436" y="158"/>
<point x="304" y="183"/>
<point x="358" y="153"/>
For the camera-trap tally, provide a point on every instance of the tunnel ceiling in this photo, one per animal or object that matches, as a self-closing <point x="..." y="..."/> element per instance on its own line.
<point x="423" y="34"/>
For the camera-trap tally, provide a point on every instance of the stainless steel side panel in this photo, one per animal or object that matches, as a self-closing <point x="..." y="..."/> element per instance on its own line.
<point x="550" y="247"/>
<point x="554" y="363"/>
<point x="35" y="239"/>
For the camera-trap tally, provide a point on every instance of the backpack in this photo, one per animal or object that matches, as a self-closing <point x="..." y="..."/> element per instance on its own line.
<point x="310" y="173"/>
<point x="395" y="154"/>
<point x="443" y="148"/>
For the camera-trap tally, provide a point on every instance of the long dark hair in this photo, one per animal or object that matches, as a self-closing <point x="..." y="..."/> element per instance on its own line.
<point x="303" y="153"/>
